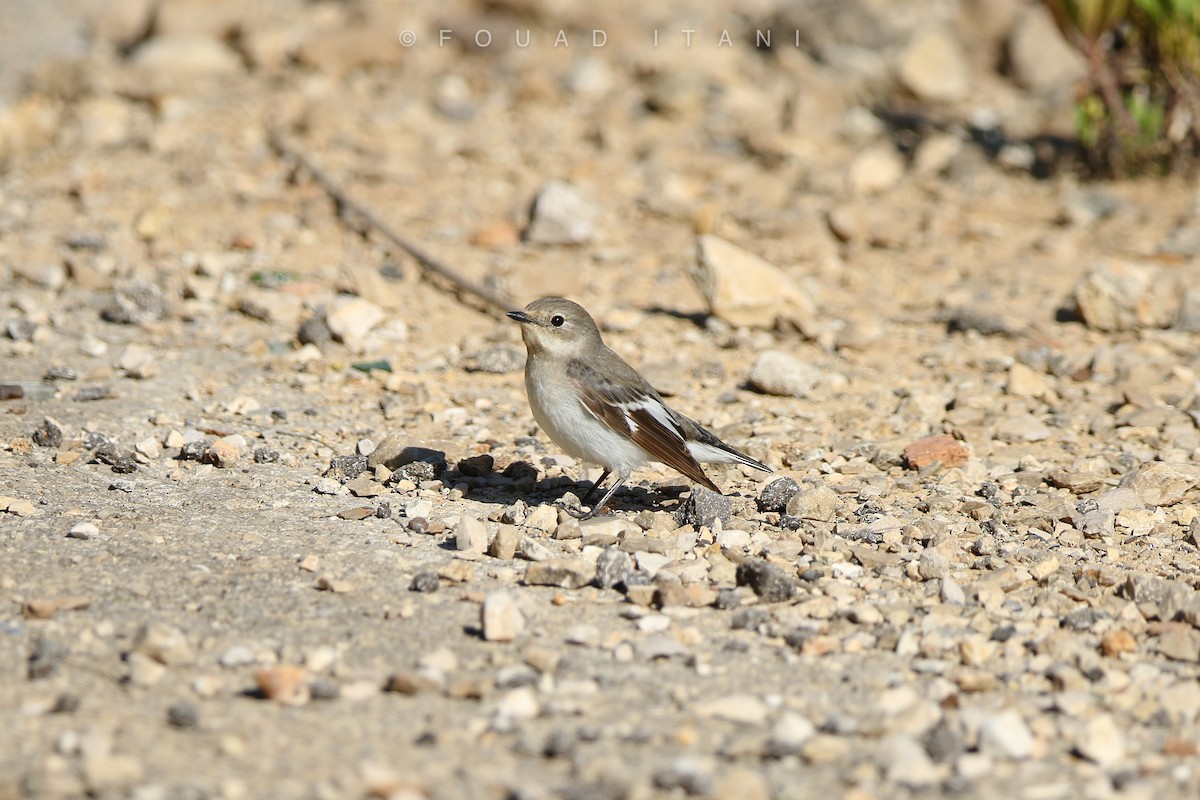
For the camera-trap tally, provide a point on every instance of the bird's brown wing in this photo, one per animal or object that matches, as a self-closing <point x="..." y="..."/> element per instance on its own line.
<point x="639" y="413"/>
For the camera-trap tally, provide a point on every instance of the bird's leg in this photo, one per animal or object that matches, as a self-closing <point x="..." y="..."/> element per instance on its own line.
<point x="599" y="482"/>
<point x="620" y="482"/>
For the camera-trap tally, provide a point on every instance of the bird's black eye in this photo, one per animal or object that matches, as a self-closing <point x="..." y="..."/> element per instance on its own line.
<point x="557" y="320"/>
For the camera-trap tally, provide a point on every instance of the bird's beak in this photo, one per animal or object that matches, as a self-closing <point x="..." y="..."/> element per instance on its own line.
<point x="522" y="317"/>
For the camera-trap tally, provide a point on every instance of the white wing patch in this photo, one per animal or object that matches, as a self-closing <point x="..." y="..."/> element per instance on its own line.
<point x="655" y="409"/>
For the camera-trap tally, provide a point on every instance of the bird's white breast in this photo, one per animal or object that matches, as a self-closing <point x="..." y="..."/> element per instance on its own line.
<point x="560" y="412"/>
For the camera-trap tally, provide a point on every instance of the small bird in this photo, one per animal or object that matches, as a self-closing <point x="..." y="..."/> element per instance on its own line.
<point x="598" y="409"/>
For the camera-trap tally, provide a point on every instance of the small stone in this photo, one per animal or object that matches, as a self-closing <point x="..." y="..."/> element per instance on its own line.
<point x="1118" y="296"/>
<point x="747" y="291"/>
<point x="933" y="66"/>
<point x="613" y="566"/>
<point x="164" y="643"/>
<point x="84" y="531"/>
<point x="411" y="683"/>
<point x="742" y="783"/>
<point x="1101" y="741"/>
<point x="471" y="535"/>
<point x="135" y="304"/>
<point x="747" y="709"/>
<point x="687" y="773"/>
<point x="46" y="658"/>
<point x="704" y="507"/>
<point x="137" y="362"/>
<point x="932" y="564"/>
<point x="477" y="466"/>
<point x="788" y="736"/>
<point x="314" y="331"/>
<point x="501" y="618"/>
<point x="1044" y="568"/>
<point x="1023" y="428"/>
<point x="183" y="715"/>
<point x="875" y="170"/>
<point x="239" y="655"/>
<point x="943" y="448"/>
<point x="227" y="451"/>
<point x="1007" y="734"/>
<point x="1118" y="642"/>
<point x="567" y="573"/>
<point x="394" y="454"/>
<point x="346" y="468"/>
<point x="815" y="502"/>
<point x="286" y="684"/>
<point x="350" y="319"/>
<point x="144" y="671"/>
<point x="364" y="487"/>
<point x="531" y="549"/>
<point x="905" y="762"/>
<point x="1041" y="58"/>
<point x="49" y="434"/>
<point x="1159" y="483"/>
<point x="1180" y="645"/>
<point x="769" y="582"/>
<point x="824" y="748"/>
<point x="425" y="581"/>
<point x="776" y="372"/>
<point x="504" y="543"/>
<point x="560" y="216"/>
<point x="111" y="774"/>
<point x="543" y="518"/>
<point x="776" y="494"/>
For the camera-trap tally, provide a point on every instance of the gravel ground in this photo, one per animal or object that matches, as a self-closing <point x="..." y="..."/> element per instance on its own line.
<point x="275" y="517"/>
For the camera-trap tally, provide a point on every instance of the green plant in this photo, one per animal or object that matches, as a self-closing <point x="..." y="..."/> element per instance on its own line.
<point x="1140" y="109"/>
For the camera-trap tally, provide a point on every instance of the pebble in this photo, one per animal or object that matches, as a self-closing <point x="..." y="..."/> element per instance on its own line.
<point x="227" y="451"/>
<point x="561" y="216"/>
<point x="1005" y="733"/>
<point x="350" y="319"/>
<point x="688" y="774"/>
<point x="613" y="566"/>
<point x="746" y="290"/>
<point x="239" y="655"/>
<point x="137" y="362"/>
<point x="1161" y="484"/>
<point x="788" y="736"/>
<point x="769" y="582"/>
<point x="1101" y="741"/>
<point x="1120" y="296"/>
<point x="704" y="507"/>
<point x="1039" y="57"/>
<point x="905" y="762"/>
<point x="286" y="684"/>
<point x="941" y="448"/>
<point x="425" y="581"/>
<point x="164" y="643"/>
<point x="776" y="494"/>
<point x="532" y="550"/>
<point x="83" y="530"/>
<point x="566" y="573"/>
<point x="183" y="715"/>
<point x="504" y="543"/>
<point x="471" y="535"/>
<point x="816" y="502"/>
<point x="543" y="518"/>
<point x="778" y="373"/>
<point x="875" y="170"/>
<point x="933" y="66"/>
<point x="46" y="658"/>
<point x="501" y="618"/>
